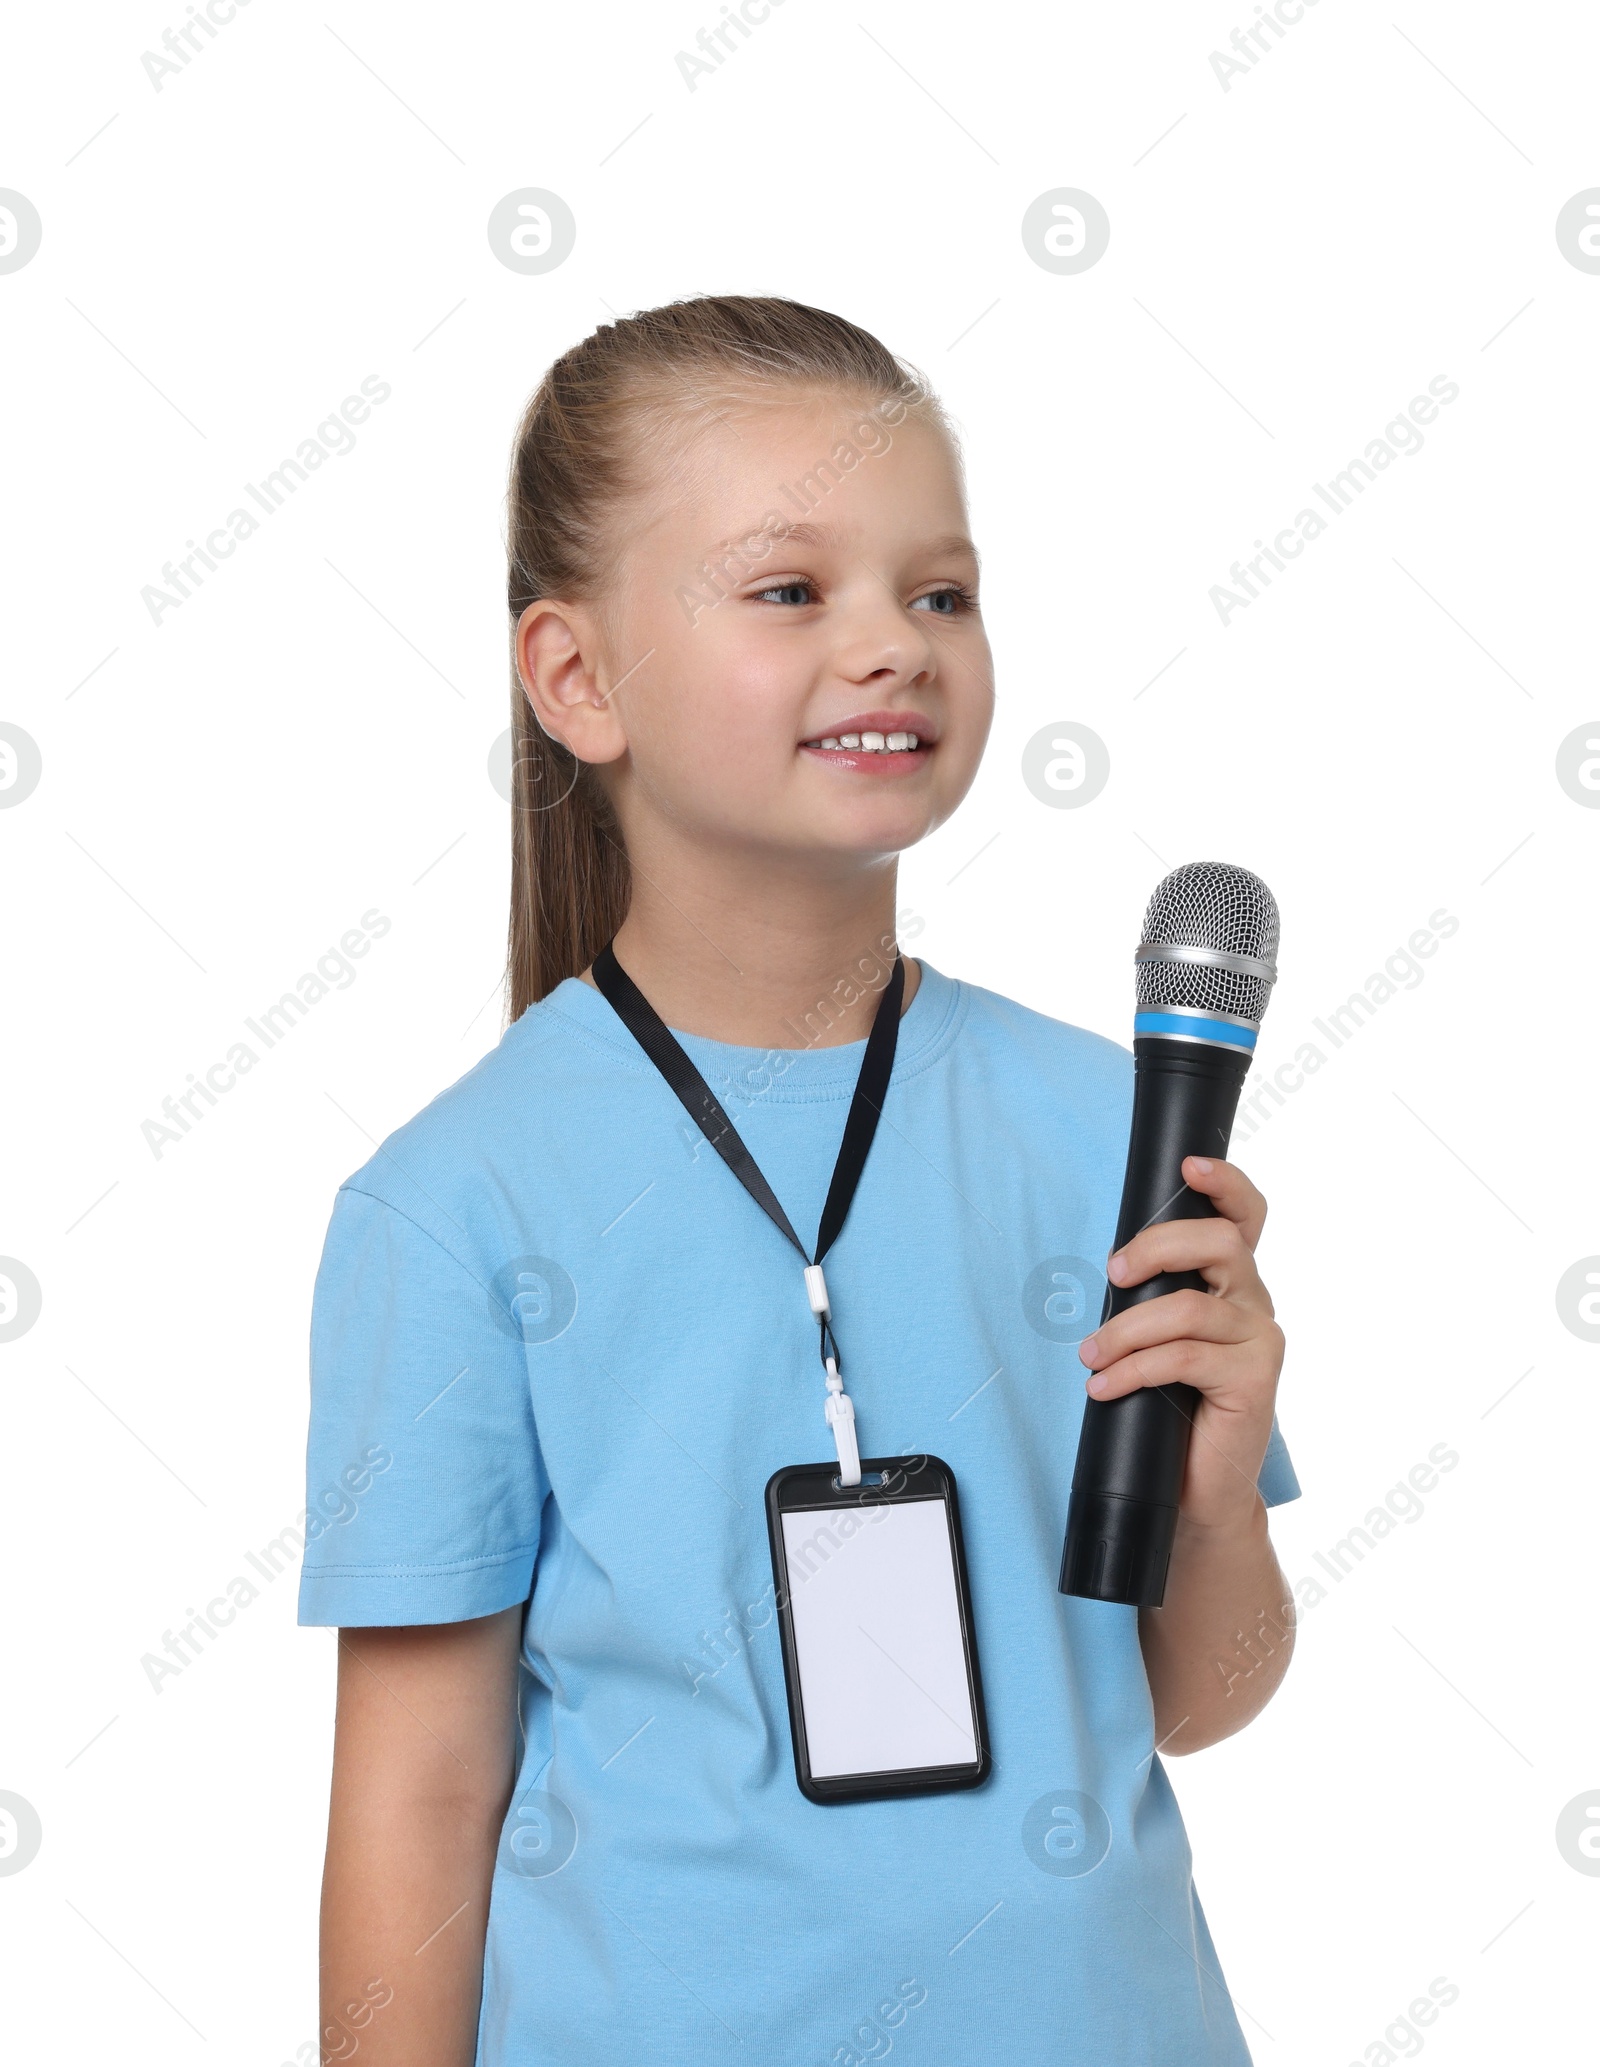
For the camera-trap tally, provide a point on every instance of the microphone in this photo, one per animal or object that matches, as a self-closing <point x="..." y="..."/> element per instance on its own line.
<point x="1204" y="970"/>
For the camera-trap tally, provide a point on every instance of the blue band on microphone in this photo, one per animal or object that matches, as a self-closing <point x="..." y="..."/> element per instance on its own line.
<point x="1193" y="1026"/>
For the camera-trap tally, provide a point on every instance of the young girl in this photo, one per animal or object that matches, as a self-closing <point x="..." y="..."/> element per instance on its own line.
<point x="558" y="1352"/>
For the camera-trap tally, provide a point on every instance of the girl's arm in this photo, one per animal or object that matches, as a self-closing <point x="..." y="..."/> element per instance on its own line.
<point x="423" y="1764"/>
<point x="1219" y="1644"/>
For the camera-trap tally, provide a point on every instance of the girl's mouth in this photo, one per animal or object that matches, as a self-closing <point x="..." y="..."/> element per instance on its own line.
<point x="884" y="747"/>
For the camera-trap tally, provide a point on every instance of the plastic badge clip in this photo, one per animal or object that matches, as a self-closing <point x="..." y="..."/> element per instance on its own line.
<point x="840" y="1415"/>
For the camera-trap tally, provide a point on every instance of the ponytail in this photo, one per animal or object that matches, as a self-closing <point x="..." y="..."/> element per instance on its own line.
<point x="570" y="880"/>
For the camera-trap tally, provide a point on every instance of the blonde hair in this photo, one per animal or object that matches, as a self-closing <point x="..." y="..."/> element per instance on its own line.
<point x="583" y="447"/>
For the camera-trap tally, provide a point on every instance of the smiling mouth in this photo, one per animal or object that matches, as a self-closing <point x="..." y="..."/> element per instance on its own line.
<point x="898" y="738"/>
<point x="868" y="743"/>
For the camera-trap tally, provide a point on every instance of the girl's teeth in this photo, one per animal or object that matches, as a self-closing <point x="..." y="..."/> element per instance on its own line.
<point x="870" y="743"/>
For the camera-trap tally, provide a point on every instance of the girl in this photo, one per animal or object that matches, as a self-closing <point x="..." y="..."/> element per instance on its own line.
<point x="557" y="1352"/>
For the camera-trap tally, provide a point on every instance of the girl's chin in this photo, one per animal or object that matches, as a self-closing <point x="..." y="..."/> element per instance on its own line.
<point x="868" y="832"/>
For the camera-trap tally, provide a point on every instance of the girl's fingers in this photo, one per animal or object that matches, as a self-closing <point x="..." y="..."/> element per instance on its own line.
<point x="1223" y="1341"/>
<point x="1174" y="1317"/>
<point x="1216" y="1248"/>
<point x="1230" y="1191"/>
<point x="1219" y="1370"/>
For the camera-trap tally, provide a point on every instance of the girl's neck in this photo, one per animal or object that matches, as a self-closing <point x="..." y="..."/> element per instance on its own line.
<point x="785" y="964"/>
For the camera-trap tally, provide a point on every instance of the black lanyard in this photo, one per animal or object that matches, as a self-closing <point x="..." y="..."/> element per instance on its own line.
<point x="645" y="1024"/>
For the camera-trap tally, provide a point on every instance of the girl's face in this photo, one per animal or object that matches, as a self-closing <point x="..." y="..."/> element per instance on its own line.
<point x="801" y="575"/>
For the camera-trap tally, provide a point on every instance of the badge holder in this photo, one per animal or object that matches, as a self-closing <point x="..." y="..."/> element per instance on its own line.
<point x="879" y="1656"/>
<point x="880" y="1663"/>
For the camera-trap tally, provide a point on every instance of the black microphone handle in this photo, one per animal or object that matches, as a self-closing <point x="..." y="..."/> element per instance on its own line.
<point x="1131" y="1452"/>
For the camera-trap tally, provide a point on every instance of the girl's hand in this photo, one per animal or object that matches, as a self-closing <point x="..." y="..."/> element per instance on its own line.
<point x="1224" y="1341"/>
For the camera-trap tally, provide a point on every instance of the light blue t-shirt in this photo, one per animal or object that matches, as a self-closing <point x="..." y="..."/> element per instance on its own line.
<point x="557" y="1352"/>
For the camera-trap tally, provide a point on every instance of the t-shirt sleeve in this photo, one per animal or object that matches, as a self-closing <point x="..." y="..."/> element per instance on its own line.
<point x="1276" y="1481"/>
<point x="424" y="1482"/>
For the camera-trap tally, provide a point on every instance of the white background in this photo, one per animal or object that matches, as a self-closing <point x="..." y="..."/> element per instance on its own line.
<point x="306" y="738"/>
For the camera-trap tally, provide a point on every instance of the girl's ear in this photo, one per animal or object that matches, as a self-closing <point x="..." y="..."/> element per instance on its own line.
<point x="559" y="654"/>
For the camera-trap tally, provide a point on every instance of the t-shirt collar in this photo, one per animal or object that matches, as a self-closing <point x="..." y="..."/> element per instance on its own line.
<point x="798" y="1070"/>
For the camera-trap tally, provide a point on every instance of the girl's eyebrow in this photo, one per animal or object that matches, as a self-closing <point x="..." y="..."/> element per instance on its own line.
<point x="829" y="534"/>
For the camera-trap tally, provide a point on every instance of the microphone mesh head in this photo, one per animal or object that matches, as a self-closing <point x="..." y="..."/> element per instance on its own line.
<point x="1210" y="904"/>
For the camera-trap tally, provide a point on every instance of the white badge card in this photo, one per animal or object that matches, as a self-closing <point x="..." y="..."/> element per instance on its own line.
<point x="878" y="1651"/>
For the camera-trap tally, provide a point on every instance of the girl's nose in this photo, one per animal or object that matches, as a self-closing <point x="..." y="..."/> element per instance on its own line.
<point x="881" y="645"/>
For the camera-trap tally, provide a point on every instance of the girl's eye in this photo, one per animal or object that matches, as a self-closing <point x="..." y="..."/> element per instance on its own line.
<point x="951" y="601"/>
<point x="948" y="602"/>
